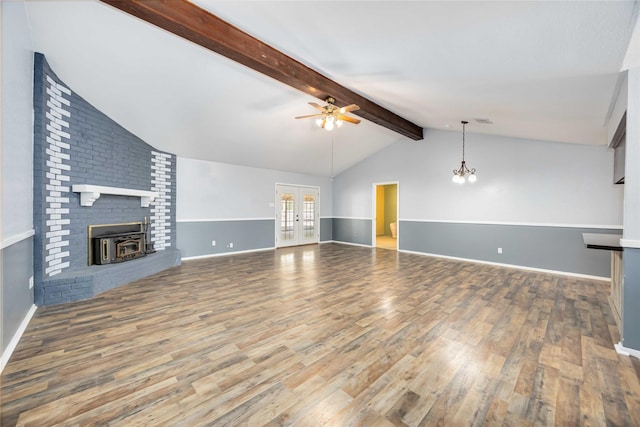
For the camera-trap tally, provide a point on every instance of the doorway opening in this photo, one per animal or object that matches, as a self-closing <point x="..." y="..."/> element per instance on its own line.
<point x="297" y="215"/>
<point x="385" y="224"/>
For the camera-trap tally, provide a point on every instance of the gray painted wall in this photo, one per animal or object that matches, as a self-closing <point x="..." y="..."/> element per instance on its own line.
<point x="17" y="298"/>
<point x="351" y="230"/>
<point x="17" y="169"/>
<point x="195" y="238"/>
<point x="631" y="315"/>
<point x="519" y="181"/>
<point x="551" y="248"/>
<point x="326" y="229"/>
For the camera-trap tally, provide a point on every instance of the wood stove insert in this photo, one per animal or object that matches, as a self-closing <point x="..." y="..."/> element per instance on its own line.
<point x="113" y="243"/>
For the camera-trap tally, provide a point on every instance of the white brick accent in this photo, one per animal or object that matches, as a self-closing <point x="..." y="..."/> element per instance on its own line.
<point x="160" y="208"/>
<point x="56" y="200"/>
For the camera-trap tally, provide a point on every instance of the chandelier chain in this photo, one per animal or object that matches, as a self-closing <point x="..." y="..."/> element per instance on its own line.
<point x="463" y="173"/>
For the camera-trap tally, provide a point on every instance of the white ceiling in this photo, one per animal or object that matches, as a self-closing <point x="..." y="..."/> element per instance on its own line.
<point x="538" y="70"/>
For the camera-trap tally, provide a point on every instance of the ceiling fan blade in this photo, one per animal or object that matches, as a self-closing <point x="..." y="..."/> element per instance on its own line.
<point x="318" y="107"/>
<point x="309" y="116"/>
<point x="347" y="119"/>
<point x="348" y="108"/>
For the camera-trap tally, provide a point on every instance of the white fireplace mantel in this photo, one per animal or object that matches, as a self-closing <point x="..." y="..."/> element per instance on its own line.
<point x="91" y="193"/>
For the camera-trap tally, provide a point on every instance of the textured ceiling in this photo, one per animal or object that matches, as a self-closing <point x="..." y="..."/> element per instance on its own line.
<point x="537" y="70"/>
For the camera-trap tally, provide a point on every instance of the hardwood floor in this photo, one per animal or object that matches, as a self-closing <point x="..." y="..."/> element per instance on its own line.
<point x="327" y="335"/>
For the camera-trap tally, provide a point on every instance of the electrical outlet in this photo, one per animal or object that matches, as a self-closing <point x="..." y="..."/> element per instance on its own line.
<point x="499" y="250"/>
<point x="31" y="282"/>
<point x="231" y="245"/>
<point x="213" y="243"/>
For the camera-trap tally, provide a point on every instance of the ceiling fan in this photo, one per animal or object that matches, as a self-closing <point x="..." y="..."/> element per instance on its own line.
<point x="331" y="115"/>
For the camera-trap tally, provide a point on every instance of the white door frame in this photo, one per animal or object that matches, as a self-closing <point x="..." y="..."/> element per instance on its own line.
<point x="374" y="213"/>
<point x="277" y="208"/>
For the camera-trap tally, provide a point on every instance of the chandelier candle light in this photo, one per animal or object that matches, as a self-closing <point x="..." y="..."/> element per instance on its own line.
<point x="462" y="172"/>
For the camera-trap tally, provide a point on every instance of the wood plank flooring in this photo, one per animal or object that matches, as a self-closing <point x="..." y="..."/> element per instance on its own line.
<point x="327" y="335"/>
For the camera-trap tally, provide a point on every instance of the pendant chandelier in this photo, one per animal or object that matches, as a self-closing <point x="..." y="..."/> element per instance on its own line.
<point x="463" y="173"/>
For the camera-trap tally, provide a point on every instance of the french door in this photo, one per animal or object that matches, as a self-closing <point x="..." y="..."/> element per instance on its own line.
<point x="297" y="215"/>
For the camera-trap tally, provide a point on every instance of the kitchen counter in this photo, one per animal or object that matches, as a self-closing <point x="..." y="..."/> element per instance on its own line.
<point x="609" y="242"/>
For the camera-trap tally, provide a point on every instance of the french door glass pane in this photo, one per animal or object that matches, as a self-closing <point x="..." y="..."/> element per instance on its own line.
<point x="309" y="216"/>
<point x="287" y="216"/>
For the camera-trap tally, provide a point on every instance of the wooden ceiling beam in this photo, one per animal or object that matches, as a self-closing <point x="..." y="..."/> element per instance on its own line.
<point x="190" y="22"/>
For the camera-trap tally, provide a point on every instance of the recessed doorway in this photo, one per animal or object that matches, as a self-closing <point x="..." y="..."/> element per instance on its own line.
<point x="385" y="224"/>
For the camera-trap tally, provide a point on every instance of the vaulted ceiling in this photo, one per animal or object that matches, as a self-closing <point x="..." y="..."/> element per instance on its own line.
<point x="537" y="70"/>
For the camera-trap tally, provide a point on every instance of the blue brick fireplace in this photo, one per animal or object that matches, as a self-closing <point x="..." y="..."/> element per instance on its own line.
<point x="76" y="145"/>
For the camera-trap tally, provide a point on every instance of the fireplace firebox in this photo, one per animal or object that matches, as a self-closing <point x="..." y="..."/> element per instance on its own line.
<point x="112" y="243"/>
<point x="118" y="247"/>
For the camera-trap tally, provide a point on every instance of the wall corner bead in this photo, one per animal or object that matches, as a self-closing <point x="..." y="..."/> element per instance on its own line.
<point x="91" y="193"/>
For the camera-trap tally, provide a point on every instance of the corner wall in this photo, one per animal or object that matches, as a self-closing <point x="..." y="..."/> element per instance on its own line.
<point x="16" y="225"/>
<point x="631" y="240"/>
<point x="524" y="188"/>
<point x="235" y="204"/>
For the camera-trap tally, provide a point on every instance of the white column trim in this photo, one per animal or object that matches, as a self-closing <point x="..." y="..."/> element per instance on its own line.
<point x="629" y="243"/>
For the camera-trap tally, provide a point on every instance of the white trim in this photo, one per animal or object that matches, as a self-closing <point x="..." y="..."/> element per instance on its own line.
<point x="6" y="354"/>
<point x="525" y="224"/>
<point x="226" y="253"/>
<point x="629" y="243"/>
<point x="349" y="243"/>
<point x="298" y="185"/>
<point x="517" y="267"/>
<point x="90" y="193"/>
<point x="522" y="224"/>
<point x="224" y="219"/>
<point x="352" y="217"/>
<point x="12" y="240"/>
<point x="620" y="349"/>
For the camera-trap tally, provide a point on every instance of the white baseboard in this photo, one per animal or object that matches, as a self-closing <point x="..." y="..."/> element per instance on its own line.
<point x="519" y="267"/>
<point x="225" y="254"/>
<point x="348" y="243"/>
<point x="6" y="354"/>
<point x="620" y="349"/>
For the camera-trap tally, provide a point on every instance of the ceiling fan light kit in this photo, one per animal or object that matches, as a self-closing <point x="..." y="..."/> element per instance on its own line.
<point x="463" y="173"/>
<point x="331" y="115"/>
